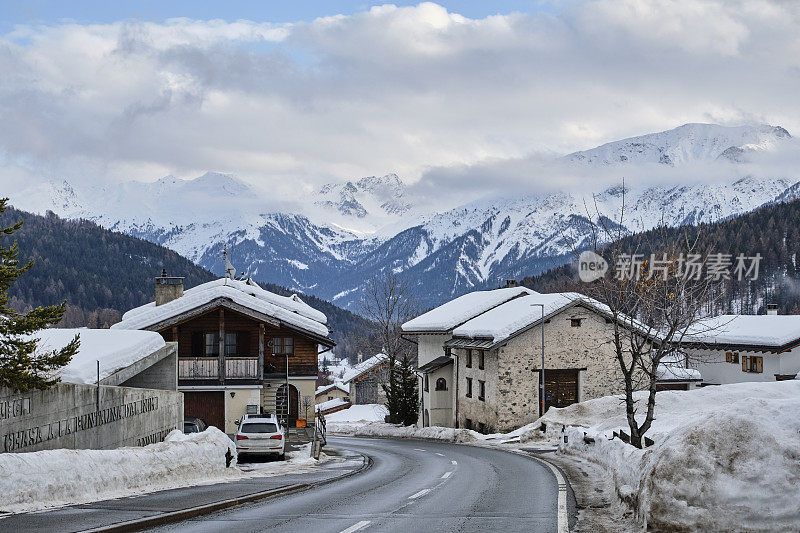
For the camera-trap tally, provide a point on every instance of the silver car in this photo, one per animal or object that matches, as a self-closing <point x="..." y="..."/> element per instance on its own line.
<point x="260" y="435"/>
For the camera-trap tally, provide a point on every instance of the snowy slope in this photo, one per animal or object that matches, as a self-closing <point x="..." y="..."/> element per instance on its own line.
<point x="342" y="234"/>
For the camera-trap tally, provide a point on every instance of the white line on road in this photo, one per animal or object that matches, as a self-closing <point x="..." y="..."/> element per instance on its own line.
<point x="423" y="492"/>
<point x="563" y="520"/>
<point x="440" y="454"/>
<point x="453" y="462"/>
<point x="446" y="475"/>
<point x="420" y="449"/>
<point x="356" y="527"/>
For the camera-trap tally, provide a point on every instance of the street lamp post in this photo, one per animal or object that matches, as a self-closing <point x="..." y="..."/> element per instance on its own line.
<point x="541" y="394"/>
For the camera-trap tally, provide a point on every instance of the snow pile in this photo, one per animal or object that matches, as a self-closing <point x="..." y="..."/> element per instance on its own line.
<point x="724" y="458"/>
<point x="53" y="478"/>
<point x="288" y="309"/>
<point x="382" y="429"/>
<point x="359" y="414"/>
<point x="455" y="312"/>
<point x="115" y="349"/>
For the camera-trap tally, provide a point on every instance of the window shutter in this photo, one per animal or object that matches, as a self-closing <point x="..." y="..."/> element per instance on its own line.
<point x="759" y="364"/>
<point x="243" y="344"/>
<point x="198" y="346"/>
<point x="744" y="363"/>
<point x="728" y="357"/>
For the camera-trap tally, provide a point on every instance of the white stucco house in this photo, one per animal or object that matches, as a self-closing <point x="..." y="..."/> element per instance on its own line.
<point x="737" y="348"/>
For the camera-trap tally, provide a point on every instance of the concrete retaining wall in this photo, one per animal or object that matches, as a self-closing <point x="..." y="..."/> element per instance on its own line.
<point x="66" y="416"/>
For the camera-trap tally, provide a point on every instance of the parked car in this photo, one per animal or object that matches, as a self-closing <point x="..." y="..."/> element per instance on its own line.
<point x="260" y="435"/>
<point x="192" y="424"/>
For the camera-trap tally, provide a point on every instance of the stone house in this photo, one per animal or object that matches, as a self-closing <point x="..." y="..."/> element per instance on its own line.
<point x="240" y="348"/>
<point x="330" y="392"/>
<point x="493" y="340"/>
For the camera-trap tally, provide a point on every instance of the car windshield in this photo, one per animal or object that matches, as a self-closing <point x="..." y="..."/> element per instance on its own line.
<point x="259" y="427"/>
<point x="189" y="428"/>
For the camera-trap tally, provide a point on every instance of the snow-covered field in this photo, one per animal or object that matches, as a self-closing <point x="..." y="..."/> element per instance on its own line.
<point x="54" y="478"/>
<point x="725" y="458"/>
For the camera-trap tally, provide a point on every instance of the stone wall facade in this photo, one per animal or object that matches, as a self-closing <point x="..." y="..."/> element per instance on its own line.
<point x="67" y="416"/>
<point x="512" y="370"/>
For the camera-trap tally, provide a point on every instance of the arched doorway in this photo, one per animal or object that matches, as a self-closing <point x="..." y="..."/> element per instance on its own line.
<point x="294" y="404"/>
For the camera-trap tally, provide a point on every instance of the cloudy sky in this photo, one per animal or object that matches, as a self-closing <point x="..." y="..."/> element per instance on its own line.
<point x="291" y="95"/>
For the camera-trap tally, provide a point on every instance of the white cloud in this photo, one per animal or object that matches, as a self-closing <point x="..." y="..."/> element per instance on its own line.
<point x="415" y="90"/>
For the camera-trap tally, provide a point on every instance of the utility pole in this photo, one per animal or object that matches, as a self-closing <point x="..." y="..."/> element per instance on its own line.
<point x="541" y="373"/>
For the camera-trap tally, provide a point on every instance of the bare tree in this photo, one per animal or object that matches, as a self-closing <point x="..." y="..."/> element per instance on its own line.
<point x="656" y="298"/>
<point x="387" y="302"/>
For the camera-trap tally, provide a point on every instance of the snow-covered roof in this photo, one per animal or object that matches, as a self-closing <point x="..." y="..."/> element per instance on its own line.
<point x="331" y="404"/>
<point x="325" y="388"/>
<point x="115" y="349"/>
<point x="673" y="367"/>
<point x="455" y="312"/>
<point x="760" y="330"/>
<point x="363" y="367"/>
<point x="289" y="309"/>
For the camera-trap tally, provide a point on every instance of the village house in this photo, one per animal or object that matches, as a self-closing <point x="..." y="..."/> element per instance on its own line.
<point x="332" y="392"/>
<point x="480" y="357"/>
<point x="738" y="348"/>
<point x="241" y="349"/>
<point x="364" y="380"/>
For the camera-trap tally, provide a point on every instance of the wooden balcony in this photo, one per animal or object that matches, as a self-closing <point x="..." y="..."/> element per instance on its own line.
<point x="207" y="368"/>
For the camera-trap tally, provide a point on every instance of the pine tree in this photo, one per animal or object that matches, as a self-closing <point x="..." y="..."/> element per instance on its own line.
<point x="22" y="367"/>
<point x="402" y="394"/>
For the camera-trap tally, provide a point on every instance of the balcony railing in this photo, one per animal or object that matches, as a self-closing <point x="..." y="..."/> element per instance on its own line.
<point x="198" y="368"/>
<point x="208" y="368"/>
<point x="241" y="367"/>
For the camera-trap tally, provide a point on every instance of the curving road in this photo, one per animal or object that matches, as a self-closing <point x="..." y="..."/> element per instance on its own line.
<point x="412" y="486"/>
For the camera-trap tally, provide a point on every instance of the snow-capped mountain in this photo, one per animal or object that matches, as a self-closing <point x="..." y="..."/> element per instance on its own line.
<point x="347" y="232"/>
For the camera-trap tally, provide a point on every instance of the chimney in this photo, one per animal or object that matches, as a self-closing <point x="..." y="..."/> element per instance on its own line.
<point x="772" y="309"/>
<point x="360" y="357"/>
<point x="168" y="288"/>
<point x="510" y="283"/>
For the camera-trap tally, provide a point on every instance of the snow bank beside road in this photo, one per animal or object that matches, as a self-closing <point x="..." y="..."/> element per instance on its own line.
<point x="725" y="457"/>
<point x="52" y="478"/>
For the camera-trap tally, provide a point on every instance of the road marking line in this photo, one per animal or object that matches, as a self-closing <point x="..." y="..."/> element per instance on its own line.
<point x="423" y="492"/>
<point x="453" y="462"/>
<point x="420" y="450"/>
<point x="446" y="475"/>
<point x="563" y="519"/>
<point x="440" y="454"/>
<point x="356" y="527"/>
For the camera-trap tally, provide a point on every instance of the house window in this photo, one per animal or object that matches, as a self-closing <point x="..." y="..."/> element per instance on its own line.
<point x="425" y="381"/>
<point x="469" y="388"/>
<point x="441" y="384"/>
<point x="212" y="344"/>
<point x="283" y="346"/>
<point x="752" y="363"/>
<point x="735" y="357"/>
<point x="468" y="423"/>
<point x="481" y="390"/>
<point x="480" y="359"/>
<point x="575" y="322"/>
<point x="469" y="358"/>
<point x="230" y="344"/>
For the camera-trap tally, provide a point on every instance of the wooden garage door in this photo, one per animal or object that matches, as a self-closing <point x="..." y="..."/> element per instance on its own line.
<point x="561" y="388"/>
<point x="210" y="406"/>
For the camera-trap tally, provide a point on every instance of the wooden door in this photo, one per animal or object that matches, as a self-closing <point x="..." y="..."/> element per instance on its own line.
<point x="561" y="388"/>
<point x="208" y="405"/>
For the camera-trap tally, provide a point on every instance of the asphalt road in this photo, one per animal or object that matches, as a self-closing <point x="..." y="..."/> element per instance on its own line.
<point x="412" y="486"/>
